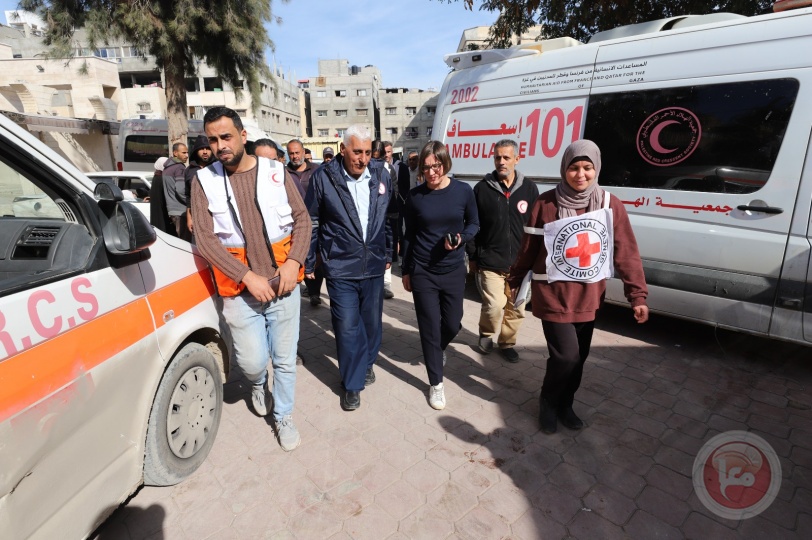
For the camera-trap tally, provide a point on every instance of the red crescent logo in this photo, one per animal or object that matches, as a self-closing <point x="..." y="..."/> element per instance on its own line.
<point x="275" y="178"/>
<point x="654" y="138"/>
<point x="683" y="136"/>
<point x="381" y="188"/>
<point x="522" y="207"/>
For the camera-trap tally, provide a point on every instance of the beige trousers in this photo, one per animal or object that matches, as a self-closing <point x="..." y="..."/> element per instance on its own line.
<point x="498" y="314"/>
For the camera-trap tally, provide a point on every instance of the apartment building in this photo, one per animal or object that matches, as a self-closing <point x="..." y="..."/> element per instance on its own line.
<point x="407" y="116"/>
<point x="341" y="96"/>
<point x="141" y="93"/>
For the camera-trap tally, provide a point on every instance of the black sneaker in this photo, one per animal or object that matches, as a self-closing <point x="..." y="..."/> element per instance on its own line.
<point x="509" y="354"/>
<point x="315" y="300"/>
<point x="388" y="294"/>
<point x="569" y="419"/>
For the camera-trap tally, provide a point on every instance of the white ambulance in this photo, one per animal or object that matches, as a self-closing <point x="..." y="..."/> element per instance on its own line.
<point x="105" y="379"/>
<point x="704" y="126"/>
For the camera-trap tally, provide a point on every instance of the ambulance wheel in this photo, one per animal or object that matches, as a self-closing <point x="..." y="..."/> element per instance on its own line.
<point x="184" y="418"/>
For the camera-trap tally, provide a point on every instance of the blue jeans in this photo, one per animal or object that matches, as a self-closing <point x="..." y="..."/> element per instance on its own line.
<point x="266" y="330"/>
<point x="356" y="307"/>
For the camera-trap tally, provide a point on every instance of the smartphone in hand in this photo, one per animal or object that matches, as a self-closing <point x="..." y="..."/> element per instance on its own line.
<point x="274" y="283"/>
<point x="452" y="239"/>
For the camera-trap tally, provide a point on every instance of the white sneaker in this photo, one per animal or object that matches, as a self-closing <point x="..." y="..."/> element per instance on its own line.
<point x="288" y="435"/>
<point x="259" y="399"/>
<point x="437" y="397"/>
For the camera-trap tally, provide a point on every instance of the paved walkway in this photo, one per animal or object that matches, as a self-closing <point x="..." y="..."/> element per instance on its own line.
<point x="481" y="469"/>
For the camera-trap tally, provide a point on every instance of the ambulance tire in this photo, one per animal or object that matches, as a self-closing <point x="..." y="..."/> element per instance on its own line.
<point x="190" y="396"/>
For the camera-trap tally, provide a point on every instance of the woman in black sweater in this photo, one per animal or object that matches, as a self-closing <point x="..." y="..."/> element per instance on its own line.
<point x="441" y="216"/>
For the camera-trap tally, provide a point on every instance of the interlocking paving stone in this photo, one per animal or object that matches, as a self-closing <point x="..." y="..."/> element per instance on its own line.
<point x="610" y="504"/>
<point x="663" y="505"/>
<point x="480" y="468"/>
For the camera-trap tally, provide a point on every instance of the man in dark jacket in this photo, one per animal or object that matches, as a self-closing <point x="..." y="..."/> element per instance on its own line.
<point x="200" y="157"/>
<point x="504" y="199"/>
<point x="348" y="200"/>
<point x="298" y="167"/>
<point x="175" y="190"/>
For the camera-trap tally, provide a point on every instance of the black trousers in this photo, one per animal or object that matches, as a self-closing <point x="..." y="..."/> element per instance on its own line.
<point x="438" y="304"/>
<point x="568" y="344"/>
<point x="314" y="285"/>
<point x="394" y="222"/>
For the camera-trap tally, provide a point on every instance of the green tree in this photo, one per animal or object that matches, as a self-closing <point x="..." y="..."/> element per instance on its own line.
<point x="580" y="19"/>
<point x="228" y="35"/>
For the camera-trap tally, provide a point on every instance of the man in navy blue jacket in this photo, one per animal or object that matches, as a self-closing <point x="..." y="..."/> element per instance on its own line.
<point x="348" y="200"/>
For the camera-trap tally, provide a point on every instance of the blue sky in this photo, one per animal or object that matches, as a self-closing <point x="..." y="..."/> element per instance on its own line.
<point x="406" y="39"/>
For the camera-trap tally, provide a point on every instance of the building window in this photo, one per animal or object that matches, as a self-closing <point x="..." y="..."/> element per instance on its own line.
<point x="411" y="111"/>
<point x="341" y="112"/>
<point x="391" y="110"/>
<point x="392" y="131"/>
<point x="321" y="93"/>
<point x="410" y="133"/>
<point x="239" y="85"/>
<point x="144" y="107"/>
<point x="431" y="110"/>
<point x="287" y="98"/>
<point x="324" y="133"/>
<point x="361" y="93"/>
<point x="321" y="113"/>
<point x="428" y="132"/>
<point x="362" y="112"/>
<point x="341" y="93"/>
<point x="130" y="52"/>
<point x="340" y="132"/>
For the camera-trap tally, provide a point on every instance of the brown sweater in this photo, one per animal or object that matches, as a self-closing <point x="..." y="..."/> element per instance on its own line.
<point x="572" y="301"/>
<point x="257" y="249"/>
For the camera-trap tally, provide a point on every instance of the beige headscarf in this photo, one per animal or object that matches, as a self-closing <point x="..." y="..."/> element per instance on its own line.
<point x="570" y="200"/>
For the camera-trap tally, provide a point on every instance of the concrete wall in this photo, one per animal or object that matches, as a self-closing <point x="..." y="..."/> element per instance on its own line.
<point x="52" y="88"/>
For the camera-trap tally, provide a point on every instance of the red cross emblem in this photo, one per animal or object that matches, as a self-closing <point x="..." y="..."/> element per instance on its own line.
<point x="583" y="251"/>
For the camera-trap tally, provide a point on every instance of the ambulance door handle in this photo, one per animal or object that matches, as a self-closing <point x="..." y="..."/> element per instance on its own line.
<point x="764" y="209"/>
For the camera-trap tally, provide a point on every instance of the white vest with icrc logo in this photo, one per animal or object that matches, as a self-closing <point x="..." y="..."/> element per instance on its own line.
<point x="580" y="248"/>
<point x="271" y="198"/>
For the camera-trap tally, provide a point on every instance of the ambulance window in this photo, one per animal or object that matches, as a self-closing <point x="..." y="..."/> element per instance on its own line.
<point x="145" y="148"/>
<point x="42" y="238"/>
<point x="720" y="138"/>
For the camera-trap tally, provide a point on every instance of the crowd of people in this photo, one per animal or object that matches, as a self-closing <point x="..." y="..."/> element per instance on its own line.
<point x="265" y="224"/>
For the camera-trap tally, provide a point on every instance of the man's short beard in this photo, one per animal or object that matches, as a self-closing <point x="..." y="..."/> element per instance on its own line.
<point x="235" y="160"/>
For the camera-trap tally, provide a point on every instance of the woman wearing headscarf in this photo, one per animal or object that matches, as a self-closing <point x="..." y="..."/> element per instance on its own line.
<point x="578" y="235"/>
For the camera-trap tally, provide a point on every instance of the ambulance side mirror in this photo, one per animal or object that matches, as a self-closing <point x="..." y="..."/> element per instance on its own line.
<point x="125" y="229"/>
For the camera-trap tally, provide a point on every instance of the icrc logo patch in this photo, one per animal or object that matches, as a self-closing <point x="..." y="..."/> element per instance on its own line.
<point x="581" y="249"/>
<point x="737" y="475"/>
<point x="669" y="136"/>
